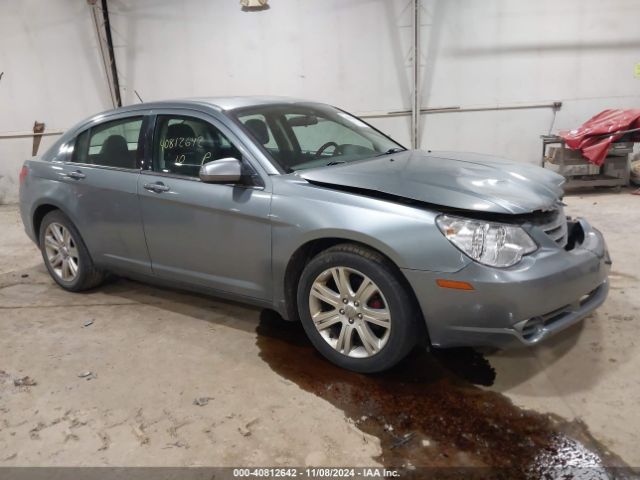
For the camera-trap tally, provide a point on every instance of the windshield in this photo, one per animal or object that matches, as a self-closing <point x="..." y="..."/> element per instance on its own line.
<point x="299" y="137"/>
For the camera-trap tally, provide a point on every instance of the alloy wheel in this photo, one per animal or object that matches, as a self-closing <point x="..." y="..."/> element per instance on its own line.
<point x="350" y="312"/>
<point x="61" y="252"/>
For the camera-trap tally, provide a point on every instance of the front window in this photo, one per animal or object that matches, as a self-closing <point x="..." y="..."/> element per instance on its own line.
<point x="299" y="137"/>
<point x="183" y="144"/>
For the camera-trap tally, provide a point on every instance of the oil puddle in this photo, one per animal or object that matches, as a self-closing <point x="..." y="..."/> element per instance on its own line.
<point x="427" y="415"/>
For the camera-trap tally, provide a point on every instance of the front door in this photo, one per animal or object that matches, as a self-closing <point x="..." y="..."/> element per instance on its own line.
<point x="213" y="235"/>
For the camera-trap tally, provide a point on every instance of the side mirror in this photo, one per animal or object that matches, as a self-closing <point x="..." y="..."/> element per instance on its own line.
<point x="225" y="170"/>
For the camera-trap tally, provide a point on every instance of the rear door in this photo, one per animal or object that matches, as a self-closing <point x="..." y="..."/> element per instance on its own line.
<point x="213" y="235"/>
<point x="102" y="171"/>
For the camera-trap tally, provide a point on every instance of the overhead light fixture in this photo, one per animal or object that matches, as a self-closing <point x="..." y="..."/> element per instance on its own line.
<point x="254" y="5"/>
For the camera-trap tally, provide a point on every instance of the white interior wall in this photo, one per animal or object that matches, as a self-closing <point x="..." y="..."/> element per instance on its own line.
<point x="499" y="52"/>
<point x="52" y="74"/>
<point x="352" y="53"/>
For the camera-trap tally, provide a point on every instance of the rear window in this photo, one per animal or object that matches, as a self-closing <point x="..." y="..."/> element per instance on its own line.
<point x="111" y="144"/>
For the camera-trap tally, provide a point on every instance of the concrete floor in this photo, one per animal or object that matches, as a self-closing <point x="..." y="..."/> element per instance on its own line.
<point x="154" y="351"/>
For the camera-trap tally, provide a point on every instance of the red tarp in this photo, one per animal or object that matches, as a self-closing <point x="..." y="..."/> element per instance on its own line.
<point x="591" y="138"/>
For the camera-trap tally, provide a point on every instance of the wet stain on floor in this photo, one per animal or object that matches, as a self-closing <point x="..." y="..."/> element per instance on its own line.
<point x="427" y="413"/>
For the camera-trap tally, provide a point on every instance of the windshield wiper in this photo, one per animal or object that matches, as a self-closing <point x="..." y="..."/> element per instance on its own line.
<point x="392" y="150"/>
<point x="335" y="162"/>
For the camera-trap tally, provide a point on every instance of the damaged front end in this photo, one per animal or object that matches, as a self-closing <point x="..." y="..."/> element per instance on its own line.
<point x="563" y="231"/>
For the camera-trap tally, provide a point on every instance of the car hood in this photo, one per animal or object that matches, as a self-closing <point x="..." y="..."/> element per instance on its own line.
<point x="457" y="180"/>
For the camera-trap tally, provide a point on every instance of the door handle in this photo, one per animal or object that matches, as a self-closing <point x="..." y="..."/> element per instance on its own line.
<point x="77" y="175"/>
<point x="157" y="187"/>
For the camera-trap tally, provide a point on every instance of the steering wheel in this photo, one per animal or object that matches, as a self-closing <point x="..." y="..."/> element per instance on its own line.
<point x="321" y="150"/>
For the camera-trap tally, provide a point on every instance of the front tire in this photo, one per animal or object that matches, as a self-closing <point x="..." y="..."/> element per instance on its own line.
<point x="65" y="254"/>
<point x="356" y="310"/>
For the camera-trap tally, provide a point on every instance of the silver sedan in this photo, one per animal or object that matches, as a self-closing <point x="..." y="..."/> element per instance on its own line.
<point x="305" y="209"/>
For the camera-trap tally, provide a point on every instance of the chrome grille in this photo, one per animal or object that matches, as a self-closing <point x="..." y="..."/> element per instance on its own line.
<point x="556" y="228"/>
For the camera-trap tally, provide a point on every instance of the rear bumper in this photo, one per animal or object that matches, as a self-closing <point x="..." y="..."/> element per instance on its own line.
<point x="26" y="212"/>
<point x="544" y="294"/>
<point x="27" y="222"/>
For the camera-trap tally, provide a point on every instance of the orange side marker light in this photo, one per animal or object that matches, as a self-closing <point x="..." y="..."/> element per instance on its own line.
<point x="441" y="282"/>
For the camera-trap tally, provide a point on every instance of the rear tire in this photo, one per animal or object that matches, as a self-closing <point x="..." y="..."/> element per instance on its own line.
<point x="356" y="310"/>
<point x="65" y="255"/>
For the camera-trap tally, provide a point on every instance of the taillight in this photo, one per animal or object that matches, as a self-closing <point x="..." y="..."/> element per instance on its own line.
<point x="23" y="174"/>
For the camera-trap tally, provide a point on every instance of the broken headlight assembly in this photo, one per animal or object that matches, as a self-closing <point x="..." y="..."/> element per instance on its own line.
<point x="489" y="243"/>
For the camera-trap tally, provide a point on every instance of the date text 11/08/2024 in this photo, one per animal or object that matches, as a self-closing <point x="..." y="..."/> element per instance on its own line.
<point x="317" y="472"/>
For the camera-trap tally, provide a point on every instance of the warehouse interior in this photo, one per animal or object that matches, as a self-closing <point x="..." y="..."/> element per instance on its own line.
<point x="133" y="375"/>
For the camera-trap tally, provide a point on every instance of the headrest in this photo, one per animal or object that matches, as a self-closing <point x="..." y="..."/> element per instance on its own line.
<point x="259" y="129"/>
<point x="114" y="145"/>
<point x="178" y="130"/>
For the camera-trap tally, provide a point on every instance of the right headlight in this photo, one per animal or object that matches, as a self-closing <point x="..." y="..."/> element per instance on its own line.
<point x="489" y="243"/>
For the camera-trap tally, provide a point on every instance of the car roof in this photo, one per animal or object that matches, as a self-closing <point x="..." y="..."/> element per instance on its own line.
<point x="232" y="103"/>
<point x="218" y="103"/>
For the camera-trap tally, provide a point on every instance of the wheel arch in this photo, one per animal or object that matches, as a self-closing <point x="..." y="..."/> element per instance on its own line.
<point x="38" y="215"/>
<point x="307" y="251"/>
<point x="45" y="206"/>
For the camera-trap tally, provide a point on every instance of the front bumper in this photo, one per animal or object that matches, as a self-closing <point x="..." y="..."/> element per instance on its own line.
<point x="522" y="305"/>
